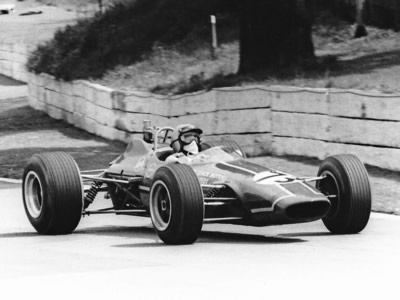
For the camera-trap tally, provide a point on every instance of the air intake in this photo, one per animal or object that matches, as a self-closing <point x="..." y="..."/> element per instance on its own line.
<point x="307" y="211"/>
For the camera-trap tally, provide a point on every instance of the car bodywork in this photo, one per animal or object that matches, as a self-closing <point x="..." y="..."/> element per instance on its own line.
<point x="235" y="190"/>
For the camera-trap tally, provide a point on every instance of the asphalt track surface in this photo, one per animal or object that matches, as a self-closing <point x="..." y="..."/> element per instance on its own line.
<point x="118" y="256"/>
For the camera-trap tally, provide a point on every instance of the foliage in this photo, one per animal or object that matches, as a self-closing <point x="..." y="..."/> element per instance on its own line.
<point x="378" y="13"/>
<point x="184" y="65"/>
<point x="121" y="36"/>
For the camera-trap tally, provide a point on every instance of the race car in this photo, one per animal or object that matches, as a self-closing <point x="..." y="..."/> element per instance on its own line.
<point x="217" y="185"/>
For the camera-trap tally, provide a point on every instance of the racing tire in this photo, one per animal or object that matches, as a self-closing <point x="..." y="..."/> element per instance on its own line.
<point x="176" y="204"/>
<point x="348" y="188"/>
<point x="52" y="192"/>
<point x="228" y="144"/>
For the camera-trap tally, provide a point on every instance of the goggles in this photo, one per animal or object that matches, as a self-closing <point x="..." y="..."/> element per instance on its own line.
<point x="187" y="138"/>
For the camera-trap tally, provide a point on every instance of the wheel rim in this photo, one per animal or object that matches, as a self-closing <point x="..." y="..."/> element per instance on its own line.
<point x="329" y="187"/>
<point x="33" y="194"/>
<point x="160" y="205"/>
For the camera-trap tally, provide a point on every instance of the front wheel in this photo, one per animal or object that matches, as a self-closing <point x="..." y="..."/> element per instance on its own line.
<point x="53" y="193"/>
<point x="347" y="186"/>
<point x="176" y="204"/>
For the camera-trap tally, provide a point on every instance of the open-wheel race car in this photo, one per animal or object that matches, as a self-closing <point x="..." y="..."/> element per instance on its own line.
<point x="217" y="185"/>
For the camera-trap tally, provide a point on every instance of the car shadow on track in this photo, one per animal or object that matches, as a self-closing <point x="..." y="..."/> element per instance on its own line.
<point x="18" y="235"/>
<point x="307" y="234"/>
<point x="206" y="237"/>
<point x="215" y="237"/>
<point x="120" y="231"/>
<point x="130" y="232"/>
<point x="241" y="238"/>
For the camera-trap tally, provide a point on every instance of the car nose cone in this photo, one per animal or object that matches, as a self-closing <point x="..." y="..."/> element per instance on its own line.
<point x="303" y="209"/>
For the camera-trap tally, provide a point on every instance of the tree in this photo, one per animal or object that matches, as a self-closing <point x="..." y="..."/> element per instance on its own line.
<point x="274" y="34"/>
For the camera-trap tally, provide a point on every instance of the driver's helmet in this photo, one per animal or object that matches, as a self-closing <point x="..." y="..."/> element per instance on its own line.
<point x="186" y="139"/>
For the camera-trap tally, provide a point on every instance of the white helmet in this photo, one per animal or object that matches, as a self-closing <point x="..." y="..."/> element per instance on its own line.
<point x="183" y="136"/>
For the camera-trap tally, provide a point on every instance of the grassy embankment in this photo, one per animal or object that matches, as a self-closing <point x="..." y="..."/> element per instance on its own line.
<point x="182" y="64"/>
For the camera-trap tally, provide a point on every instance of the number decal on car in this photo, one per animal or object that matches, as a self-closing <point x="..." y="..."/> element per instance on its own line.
<point x="269" y="177"/>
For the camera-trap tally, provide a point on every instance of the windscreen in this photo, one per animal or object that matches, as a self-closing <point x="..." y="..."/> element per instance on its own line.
<point x="214" y="154"/>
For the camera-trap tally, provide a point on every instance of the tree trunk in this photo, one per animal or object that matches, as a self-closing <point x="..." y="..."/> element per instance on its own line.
<point x="396" y="10"/>
<point x="360" y="31"/>
<point x="274" y="34"/>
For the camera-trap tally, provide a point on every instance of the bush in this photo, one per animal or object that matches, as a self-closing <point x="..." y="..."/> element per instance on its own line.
<point x="121" y="36"/>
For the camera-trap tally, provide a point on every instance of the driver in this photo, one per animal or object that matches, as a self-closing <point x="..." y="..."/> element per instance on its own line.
<point x="185" y="140"/>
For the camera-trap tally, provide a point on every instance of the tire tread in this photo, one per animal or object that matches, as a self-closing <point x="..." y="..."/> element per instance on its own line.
<point x="355" y="208"/>
<point x="63" y="186"/>
<point x="187" y="225"/>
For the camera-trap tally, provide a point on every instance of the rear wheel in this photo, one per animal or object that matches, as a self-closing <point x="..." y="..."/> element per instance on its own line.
<point x="176" y="204"/>
<point x="346" y="183"/>
<point x="53" y="193"/>
<point x="230" y="146"/>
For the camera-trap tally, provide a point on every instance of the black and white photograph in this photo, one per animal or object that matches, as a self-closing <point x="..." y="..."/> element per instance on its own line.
<point x="199" y="149"/>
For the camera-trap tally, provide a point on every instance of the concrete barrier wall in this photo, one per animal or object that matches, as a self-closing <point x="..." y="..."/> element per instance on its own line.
<point x="363" y="123"/>
<point x="263" y="120"/>
<point x="221" y="113"/>
<point x="13" y="58"/>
